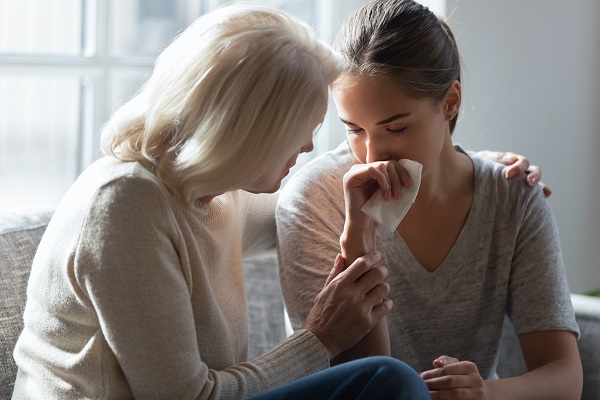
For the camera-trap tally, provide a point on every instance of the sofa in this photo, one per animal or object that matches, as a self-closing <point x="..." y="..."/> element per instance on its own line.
<point x="21" y="230"/>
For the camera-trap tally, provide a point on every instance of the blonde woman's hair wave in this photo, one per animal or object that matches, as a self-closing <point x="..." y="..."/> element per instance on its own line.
<point x="229" y="100"/>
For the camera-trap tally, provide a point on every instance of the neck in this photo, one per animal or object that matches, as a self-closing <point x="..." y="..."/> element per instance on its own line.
<point x="449" y="175"/>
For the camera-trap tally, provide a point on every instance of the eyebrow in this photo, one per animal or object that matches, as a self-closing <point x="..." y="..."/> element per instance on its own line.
<point x="382" y="122"/>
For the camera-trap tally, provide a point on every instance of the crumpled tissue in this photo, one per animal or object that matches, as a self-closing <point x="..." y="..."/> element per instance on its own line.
<point x="390" y="213"/>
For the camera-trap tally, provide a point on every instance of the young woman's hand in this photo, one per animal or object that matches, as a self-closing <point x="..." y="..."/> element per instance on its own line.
<point x="352" y="301"/>
<point x="517" y="165"/>
<point x="454" y="379"/>
<point x="363" y="180"/>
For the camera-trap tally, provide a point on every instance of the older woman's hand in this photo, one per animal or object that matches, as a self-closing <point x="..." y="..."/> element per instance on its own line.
<point x="352" y="301"/>
<point x="517" y="165"/>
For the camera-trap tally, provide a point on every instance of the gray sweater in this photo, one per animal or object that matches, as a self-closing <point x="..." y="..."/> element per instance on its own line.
<point x="132" y="294"/>
<point x="507" y="260"/>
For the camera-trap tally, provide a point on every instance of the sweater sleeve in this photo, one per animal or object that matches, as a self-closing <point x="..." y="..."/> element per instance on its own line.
<point x="127" y="264"/>
<point x="310" y="220"/>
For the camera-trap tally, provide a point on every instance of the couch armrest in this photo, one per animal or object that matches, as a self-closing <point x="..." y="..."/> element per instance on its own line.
<point x="587" y="311"/>
<point x="20" y="233"/>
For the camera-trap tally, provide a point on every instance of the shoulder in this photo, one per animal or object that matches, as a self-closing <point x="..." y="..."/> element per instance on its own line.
<point x="493" y="187"/>
<point x="127" y="184"/>
<point x="116" y="192"/>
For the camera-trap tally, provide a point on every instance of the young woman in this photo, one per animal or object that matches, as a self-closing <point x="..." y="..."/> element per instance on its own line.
<point x="137" y="286"/>
<point x="474" y="246"/>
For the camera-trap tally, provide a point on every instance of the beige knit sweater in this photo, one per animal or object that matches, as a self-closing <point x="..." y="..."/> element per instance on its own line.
<point x="133" y="295"/>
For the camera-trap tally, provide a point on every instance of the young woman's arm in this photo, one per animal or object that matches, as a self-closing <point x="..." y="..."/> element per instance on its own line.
<point x="359" y="237"/>
<point x="540" y="309"/>
<point x="554" y="368"/>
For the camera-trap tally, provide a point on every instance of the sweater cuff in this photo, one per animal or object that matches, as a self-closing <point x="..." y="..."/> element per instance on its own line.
<point x="298" y="356"/>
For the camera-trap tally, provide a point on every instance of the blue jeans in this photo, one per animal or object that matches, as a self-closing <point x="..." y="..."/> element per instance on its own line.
<point x="368" y="378"/>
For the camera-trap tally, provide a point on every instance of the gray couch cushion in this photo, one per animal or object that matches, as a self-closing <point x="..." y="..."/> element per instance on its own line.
<point x="265" y="305"/>
<point x="20" y="234"/>
<point x="587" y="310"/>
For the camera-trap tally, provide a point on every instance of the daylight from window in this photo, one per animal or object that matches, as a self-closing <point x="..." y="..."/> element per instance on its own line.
<point x="66" y="64"/>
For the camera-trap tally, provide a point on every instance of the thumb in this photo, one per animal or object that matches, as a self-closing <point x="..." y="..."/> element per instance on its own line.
<point x="338" y="266"/>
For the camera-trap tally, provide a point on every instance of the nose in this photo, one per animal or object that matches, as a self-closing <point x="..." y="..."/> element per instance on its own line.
<point x="375" y="151"/>
<point x="307" y="148"/>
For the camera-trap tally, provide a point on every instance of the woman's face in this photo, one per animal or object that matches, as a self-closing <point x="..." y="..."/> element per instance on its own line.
<point x="384" y="123"/>
<point x="271" y="183"/>
<point x="307" y="148"/>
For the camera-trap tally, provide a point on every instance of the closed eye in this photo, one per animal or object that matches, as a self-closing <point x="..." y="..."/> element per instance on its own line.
<point x="353" y="131"/>
<point x="397" y="131"/>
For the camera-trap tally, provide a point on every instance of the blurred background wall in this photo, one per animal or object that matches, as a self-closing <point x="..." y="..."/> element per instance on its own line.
<point x="532" y="85"/>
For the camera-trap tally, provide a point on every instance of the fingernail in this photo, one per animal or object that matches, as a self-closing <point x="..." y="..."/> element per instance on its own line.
<point x="533" y="179"/>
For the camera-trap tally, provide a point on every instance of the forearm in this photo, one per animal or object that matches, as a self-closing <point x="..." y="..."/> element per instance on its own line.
<point x="354" y="243"/>
<point x="556" y="380"/>
<point x="375" y="343"/>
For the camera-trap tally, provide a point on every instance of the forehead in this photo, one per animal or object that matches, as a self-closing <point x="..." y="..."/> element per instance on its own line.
<point x="366" y="98"/>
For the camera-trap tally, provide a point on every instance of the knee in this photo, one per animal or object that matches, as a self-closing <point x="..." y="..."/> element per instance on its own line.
<point x="394" y="373"/>
<point x="393" y="367"/>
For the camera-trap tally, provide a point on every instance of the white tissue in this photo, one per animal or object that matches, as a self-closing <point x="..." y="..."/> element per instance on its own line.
<point x="390" y="213"/>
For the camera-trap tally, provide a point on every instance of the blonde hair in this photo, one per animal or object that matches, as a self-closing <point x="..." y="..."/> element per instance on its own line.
<point x="230" y="99"/>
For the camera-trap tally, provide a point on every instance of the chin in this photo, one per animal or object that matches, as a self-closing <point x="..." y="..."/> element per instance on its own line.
<point x="271" y="190"/>
<point x="274" y="188"/>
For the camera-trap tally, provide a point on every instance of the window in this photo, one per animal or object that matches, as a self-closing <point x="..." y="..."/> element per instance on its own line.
<point x="66" y="64"/>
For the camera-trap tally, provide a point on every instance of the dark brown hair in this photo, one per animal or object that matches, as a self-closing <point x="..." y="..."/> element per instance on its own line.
<point x="405" y="41"/>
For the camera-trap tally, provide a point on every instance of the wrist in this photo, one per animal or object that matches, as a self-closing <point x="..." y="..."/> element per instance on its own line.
<point x="326" y="345"/>
<point x="357" y="241"/>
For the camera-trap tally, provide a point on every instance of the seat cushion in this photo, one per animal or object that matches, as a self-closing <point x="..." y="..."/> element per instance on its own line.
<point x="587" y="309"/>
<point x="20" y="234"/>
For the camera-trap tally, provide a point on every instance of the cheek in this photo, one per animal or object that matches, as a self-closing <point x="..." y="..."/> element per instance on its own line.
<point x="358" y="148"/>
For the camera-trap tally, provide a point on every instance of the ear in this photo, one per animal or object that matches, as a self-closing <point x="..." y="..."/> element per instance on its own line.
<point x="453" y="100"/>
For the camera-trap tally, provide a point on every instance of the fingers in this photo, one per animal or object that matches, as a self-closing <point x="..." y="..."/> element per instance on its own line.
<point x="380" y="173"/>
<point x="546" y="189"/>
<point x="389" y="175"/>
<point x="399" y="178"/>
<point x="517" y="164"/>
<point x="382" y="309"/>
<point x="360" y="266"/>
<point x="444" y="360"/>
<point x="454" y="378"/>
<point x="350" y="304"/>
<point x="338" y="266"/>
<point x="534" y="175"/>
